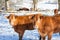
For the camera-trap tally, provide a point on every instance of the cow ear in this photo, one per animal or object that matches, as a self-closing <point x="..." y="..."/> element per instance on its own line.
<point x="11" y="15"/>
<point x="31" y="17"/>
<point x="7" y="17"/>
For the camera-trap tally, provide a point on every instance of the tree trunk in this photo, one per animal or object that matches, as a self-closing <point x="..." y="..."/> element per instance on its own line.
<point x="6" y="4"/>
<point x="34" y="3"/>
<point x="59" y="5"/>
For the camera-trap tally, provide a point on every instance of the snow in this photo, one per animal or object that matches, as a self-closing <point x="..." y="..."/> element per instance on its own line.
<point x="8" y="33"/>
<point x="42" y="6"/>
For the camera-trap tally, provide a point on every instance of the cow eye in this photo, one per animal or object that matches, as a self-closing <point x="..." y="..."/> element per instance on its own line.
<point x="15" y="16"/>
<point x="41" y="17"/>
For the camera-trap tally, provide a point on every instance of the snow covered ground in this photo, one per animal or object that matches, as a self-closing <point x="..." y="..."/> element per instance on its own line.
<point x="8" y="33"/>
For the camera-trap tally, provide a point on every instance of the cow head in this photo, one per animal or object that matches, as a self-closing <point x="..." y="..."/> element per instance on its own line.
<point x="38" y="21"/>
<point x="35" y="17"/>
<point x="12" y="19"/>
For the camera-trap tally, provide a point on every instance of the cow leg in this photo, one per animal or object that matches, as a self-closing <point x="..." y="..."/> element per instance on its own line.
<point x="59" y="33"/>
<point x="43" y="38"/>
<point x="40" y="38"/>
<point x="21" y="35"/>
<point x="50" y="35"/>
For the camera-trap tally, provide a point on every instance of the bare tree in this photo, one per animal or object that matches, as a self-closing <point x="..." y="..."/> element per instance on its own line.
<point x="59" y="5"/>
<point x="34" y="3"/>
<point x="6" y="4"/>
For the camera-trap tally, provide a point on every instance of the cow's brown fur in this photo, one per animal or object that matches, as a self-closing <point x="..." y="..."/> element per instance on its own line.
<point x="22" y="23"/>
<point x="47" y="25"/>
<point x="55" y="11"/>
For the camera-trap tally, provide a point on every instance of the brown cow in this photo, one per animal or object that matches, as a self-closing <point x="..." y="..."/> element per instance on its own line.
<point x="22" y="23"/>
<point x="47" y="25"/>
<point x="56" y="13"/>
